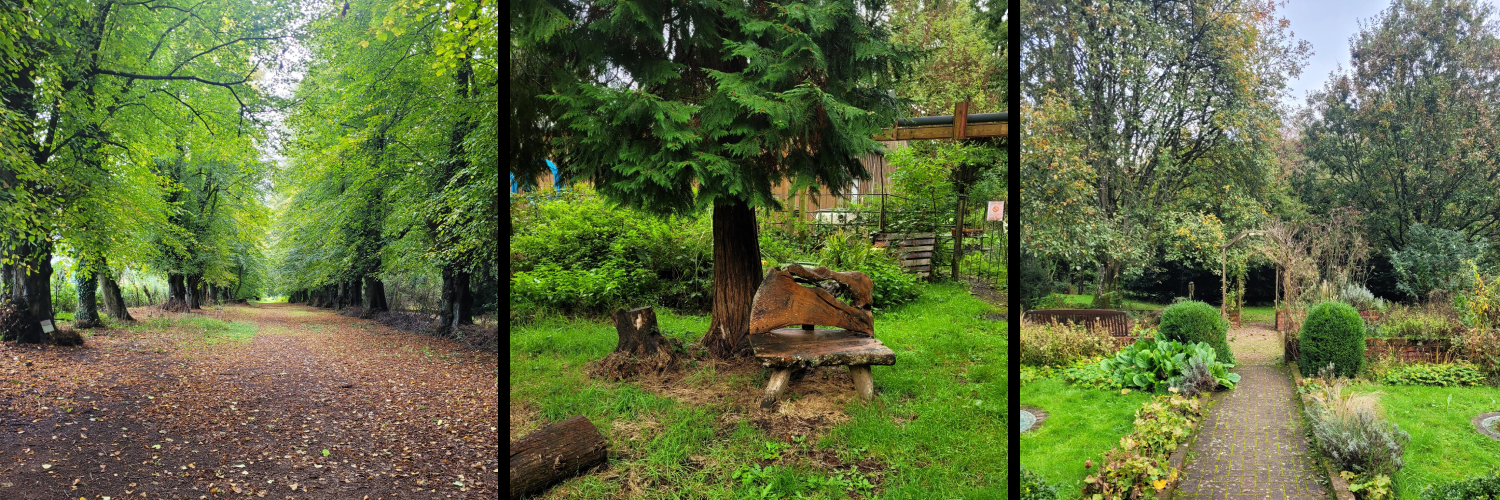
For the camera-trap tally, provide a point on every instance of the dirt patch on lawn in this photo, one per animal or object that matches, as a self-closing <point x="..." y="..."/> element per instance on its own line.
<point x="809" y="406"/>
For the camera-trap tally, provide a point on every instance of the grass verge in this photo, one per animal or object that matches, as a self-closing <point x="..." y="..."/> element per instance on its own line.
<point x="936" y="430"/>
<point x="1444" y="445"/>
<point x="1082" y="424"/>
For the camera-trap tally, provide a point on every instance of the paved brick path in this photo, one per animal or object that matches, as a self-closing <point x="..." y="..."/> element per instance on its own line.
<point x="1252" y="445"/>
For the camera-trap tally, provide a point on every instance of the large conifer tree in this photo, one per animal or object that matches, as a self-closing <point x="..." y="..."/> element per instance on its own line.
<point x="707" y="104"/>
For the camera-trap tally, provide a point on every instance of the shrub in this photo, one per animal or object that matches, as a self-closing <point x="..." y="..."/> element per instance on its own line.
<point x="1156" y="365"/>
<point x="1483" y="487"/>
<point x="1058" y="344"/>
<point x="1191" y="322"/>
<point x="1361" y="298"/>
<point x="1034" y="487"/>
<point x="1416" y="324"/>
<point x="1349" y="428"/>
<point x="1434" y="259"/>
<point x="1036" y="279"/>
<point x="1332" y="333"/>
<point x="1442" y="375"/>
<point x="1481" y="346"/>
<point x="893" y="286"/>
<point x="576" y="253"/>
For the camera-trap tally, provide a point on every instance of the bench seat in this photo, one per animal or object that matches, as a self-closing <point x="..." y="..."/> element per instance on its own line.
<point x="787" y="349"/>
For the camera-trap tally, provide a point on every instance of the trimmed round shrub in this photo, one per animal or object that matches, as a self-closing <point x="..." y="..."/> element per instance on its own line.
<point x="1191" y="322"/>
<point x="1333" y="333"/>
<point x="1485" y="486"/>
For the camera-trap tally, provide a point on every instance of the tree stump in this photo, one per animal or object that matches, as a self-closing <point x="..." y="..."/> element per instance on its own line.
<point x="554" y="453"/>
<point x="641" y="348"/>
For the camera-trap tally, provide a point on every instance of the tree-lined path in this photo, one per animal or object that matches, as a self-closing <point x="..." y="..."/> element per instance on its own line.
<point x="245" y="400"/>
<point x="1252" y="445"/>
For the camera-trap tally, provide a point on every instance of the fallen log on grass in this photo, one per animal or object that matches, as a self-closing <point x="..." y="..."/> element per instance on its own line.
<point x="554" y="453"/>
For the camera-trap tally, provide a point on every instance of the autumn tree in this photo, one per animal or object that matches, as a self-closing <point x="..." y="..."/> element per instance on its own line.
<point x="1407" y="133"/>
<point x="1163" y="99"/>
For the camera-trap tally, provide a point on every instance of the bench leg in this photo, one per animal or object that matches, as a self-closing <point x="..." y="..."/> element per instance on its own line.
<point x="864" y="381"/>
<point x="774" y="388"/>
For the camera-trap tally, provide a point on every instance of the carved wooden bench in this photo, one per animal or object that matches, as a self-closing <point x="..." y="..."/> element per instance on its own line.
<point x="781" y="302"/>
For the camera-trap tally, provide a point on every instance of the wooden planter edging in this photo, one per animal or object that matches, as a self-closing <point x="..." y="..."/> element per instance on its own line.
<point x="1335" y="481"/>
<point x="1179" y="456"/>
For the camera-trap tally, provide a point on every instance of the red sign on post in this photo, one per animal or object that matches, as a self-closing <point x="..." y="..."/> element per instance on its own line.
<point x="996" y="211"/>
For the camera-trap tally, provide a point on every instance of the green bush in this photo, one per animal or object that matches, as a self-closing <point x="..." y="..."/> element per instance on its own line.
<point x="1361" y="298"/>
<point x="1192" y="322"/>
<point x="1442" y="375"/>
<point x="1059" y="344"/>
<point x="1349" y="428"/>
<point x="1483" y="487"/>
<point x="893" y="286"/>
<point x="576" y="253"/>
<point x="1034" y="487"/>
<point x="1156" y="365"/>
<point x="1416" y="324"/>
<point x="1332" y="334"/>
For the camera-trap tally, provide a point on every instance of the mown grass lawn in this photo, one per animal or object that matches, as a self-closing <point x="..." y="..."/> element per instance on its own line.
<point x="936" y="430"/>
<point x="1444" y="445"/>
<point x="1082" y="424"/>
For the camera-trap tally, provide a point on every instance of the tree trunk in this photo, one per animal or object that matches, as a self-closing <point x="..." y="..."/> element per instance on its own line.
<point x="195" y="291"/>
<point x="30" y="284"/>
<point x="177" y="293"/>
<point x="87" y="283"/>
<point x="737" y="273"/>
<point x="455" y="307"/>
<point x="114" y="303"/>
<point x="554" y="453"/>
<point x="375" y="295"/>
<point x="641" y="348"/>
<point x="355" y="298"/>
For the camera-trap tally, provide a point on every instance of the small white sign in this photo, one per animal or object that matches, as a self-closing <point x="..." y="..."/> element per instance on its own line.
<point x="47" y="326"/>
<point x="996" y="211"/>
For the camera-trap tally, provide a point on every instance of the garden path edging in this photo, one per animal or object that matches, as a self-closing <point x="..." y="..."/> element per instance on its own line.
<point x="1338" y="483"/>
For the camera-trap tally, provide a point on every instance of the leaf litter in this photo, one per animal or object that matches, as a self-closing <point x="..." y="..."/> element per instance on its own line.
<point x="159" y="410"/>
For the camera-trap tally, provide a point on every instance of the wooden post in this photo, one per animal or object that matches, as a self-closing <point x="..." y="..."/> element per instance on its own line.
<point x="864" y="381"/>
<point x="554" y="453"/>
<point x="774" y="388"/>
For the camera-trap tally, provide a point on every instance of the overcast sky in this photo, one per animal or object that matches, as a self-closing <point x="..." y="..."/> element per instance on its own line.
<point x="1328" y="25"/>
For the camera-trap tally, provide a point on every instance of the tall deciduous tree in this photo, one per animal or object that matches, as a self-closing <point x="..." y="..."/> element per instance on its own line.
<point x="1163" y="97"/>
<point x="1408" y="133"/>
<point x="699" y="105"/>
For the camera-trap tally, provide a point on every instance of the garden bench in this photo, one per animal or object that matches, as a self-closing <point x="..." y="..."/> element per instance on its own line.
<point x="1117" y="323"/>
<point x="782" y="301"/>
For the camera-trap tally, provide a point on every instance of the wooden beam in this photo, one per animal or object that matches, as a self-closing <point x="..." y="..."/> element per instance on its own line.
<point x="974" y="130"/>
<point x="960" y="119"/>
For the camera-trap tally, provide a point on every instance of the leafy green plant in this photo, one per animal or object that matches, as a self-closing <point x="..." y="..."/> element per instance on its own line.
<point x="1138" y="466"/>
<point x="1154" y="365"/>
<point x="1061" y="344"/>
<point x="1348" y="427"/>
<point x="773" y="450"/>
<point x="1034" y="487"/>
<point x="1455" y="374"/>
<point x="1482" y="487"/>
<point x="893" y="286"/>
<point x="1094" y="375"/>
<point x="1193" y="321"/>
<point x="1333" y="333"/>
<point x="1368" y="486"/>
